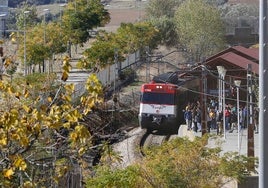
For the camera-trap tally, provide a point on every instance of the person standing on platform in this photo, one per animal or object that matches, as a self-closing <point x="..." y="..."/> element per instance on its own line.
<point x="188" y="118"/>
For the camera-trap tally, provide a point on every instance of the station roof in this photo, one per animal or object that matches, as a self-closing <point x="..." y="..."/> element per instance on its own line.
<point x="236" y="57"/>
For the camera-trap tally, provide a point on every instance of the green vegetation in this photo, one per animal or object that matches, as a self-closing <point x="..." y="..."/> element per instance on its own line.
<point x="177" y="163"/>
<point x="43" y="131"/>
<point x="200" y="29"/>
<point x="128" y="39"/>
<point x="81" y="17"/>
<point x="197" y="28"/>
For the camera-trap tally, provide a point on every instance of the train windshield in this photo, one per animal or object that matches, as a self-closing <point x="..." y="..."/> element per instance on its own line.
<point x="158" y="98"/>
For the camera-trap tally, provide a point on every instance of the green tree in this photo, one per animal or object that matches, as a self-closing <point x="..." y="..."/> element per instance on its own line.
<point x="36" y="50"/>
<point x="161" y="14"/>
<point x="216" y="2"/>
<point x="43" y="41"/>
<point x="177" y="163"/>
<point x="167" y="34"/>
<point x="128" y="39"/>
<point x="80" y="17"/>
<point x="26" y="16"/>
<point x="158" y="8"/>
<point x="200" y="29"/>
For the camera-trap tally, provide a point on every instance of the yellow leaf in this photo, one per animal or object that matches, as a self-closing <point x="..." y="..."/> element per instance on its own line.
<point x="67" y="98"/>
<point x="24" y="141"/>
<point x="8" y="173"/>
<point x="64" y="76"/>
<point x="23" y="165"/>
<point x="27" y="109"/>
<point x="13" y="40"/>
<point x="17" y="95"/>
<point x="15" y="136"/>
<point x="37" y="128"/>
<point x="67" y="125"/>
<point x="10" y="90"/>
<point x="20" y="163"/>
<point x="28" y="184"/>
<point x="73" y="136"/>
<point x="7" y="62"/>
<point x="3" y="141"/>
<point x="49" y="99"/>
<point x="26" y="93"/>
<point x="69" y="87"/>
<point x="81" y="151"/>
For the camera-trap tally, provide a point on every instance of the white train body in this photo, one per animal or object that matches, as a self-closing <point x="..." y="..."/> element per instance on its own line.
<point x="158" y="106"/>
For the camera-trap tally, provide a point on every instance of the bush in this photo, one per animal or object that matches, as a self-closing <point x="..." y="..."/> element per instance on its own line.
<point x="178" y="163"/>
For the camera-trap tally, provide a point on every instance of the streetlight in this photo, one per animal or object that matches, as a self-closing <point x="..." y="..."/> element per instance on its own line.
<point x="237" y="84"/>
<point x="24" y="33"/>
<point x="220" y="92"/>
<point x="222" y="73"/>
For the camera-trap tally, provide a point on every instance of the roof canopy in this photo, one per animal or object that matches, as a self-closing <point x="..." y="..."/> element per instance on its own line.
<point x="237" y="57"/>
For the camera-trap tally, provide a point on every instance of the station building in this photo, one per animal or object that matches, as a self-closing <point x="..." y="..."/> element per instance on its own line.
<point x="240" y="63"/>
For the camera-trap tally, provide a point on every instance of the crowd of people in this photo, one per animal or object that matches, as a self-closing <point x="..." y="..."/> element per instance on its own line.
<point x="214" y="117"/>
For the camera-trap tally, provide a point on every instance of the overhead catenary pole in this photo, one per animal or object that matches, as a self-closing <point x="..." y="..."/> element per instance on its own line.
<point x="263" y="91"/>
<point x="222" y="73"/>
<point x="250" y="116"/>
<point x="204" y="101"/>
<point x="237" y="84"/>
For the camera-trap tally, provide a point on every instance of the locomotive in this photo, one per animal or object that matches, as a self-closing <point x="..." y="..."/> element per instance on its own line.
<point x="159" y="106"/>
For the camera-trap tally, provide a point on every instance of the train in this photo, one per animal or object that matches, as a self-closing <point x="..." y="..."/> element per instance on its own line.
<point x="159" y="106"/>
<point x="163" y="101"/>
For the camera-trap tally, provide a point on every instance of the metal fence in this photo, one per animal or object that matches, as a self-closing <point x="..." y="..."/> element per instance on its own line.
<point x="108" y="75"/>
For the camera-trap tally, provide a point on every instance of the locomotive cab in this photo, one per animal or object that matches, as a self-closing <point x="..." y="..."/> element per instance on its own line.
<point x="158" y="106"/>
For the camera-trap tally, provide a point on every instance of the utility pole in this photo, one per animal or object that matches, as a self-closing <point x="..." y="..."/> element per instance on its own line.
<point x="250" y="113"/>
<point x="263" y="91"/>
<point x="204" y="101"/>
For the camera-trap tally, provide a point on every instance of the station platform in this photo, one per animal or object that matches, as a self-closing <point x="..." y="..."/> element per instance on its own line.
<point x="229" y="143"/>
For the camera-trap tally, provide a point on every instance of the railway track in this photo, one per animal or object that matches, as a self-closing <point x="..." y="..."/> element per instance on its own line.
<point x="150" y="139"/>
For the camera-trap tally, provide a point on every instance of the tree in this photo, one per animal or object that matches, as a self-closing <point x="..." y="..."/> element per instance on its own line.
<point x="29" y="19"/>
<point x="177" y="163"/>
<point x="80" y="17"/>
<point x="161" y="13"/>
<point x="239" y="10"/>
<point x="240" y="15"/>
<point x="158" y="8"/>
<point x="35" y="123"/>
<point x="133" y="37"/>
<point x="36" y="49"/>
<point x="128" y="39"/>
<point x="167" y="34"/>
<point x="216" y="2"/>
<point x="200" y="29"/>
